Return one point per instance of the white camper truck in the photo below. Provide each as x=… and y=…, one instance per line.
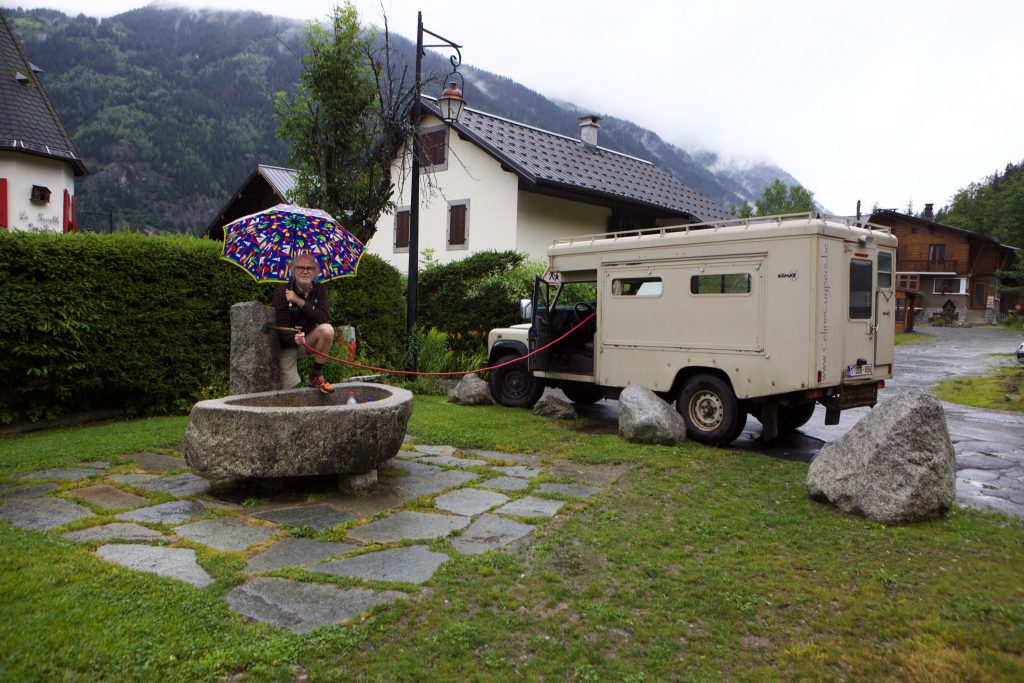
x=765, y=316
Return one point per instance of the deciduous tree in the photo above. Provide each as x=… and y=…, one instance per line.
x=781, y=198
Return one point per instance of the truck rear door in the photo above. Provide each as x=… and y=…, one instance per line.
x=859, y=340
x=885, y=311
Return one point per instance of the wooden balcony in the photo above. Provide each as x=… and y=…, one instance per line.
x=925, y=266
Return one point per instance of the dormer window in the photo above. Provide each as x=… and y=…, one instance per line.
x=41, y=194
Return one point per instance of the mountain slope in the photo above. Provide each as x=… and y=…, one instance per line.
x=172, y=109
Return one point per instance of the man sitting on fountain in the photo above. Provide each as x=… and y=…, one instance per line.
x=301, y=303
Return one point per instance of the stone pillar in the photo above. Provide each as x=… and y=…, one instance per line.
x=254, y=350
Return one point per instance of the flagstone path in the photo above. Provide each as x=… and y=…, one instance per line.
x=148, y=513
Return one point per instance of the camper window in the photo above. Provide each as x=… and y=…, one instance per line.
x=860, y=289
x=724, y=283
x=884, y=270
x=636, y=286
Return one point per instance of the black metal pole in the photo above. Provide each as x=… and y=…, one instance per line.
x=414, y=199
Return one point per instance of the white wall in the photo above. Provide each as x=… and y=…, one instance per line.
x=471, y=174
x=22, y=171
x=543, y=219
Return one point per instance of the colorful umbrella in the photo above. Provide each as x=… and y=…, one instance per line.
x=264, y=243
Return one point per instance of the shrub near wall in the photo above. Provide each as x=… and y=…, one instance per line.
x=127, y=321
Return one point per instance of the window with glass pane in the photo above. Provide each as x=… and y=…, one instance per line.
x=725, y=283
x=636, y=286
x=860, y=289
x=936, y=252
x=884, y=270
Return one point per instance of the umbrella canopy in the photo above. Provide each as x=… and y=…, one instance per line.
x=264, y=243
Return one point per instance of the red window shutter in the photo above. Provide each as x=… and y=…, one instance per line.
x=457, y=225
x=74, y=216
x=3, y=203
x=67, y=210
x=402, y=230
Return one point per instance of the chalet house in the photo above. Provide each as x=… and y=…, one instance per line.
x=952, y=270
x=38, y=160
x=491, y=183
x=265, y=187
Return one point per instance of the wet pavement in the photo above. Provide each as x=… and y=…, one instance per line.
x=989, y=444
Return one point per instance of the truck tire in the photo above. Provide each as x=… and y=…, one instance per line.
x=796, y=417
x=513, y=385
x=710, y=410
x=583, y=394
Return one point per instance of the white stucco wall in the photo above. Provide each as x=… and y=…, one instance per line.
x=471, y=174
x=22, y=171
x=543, y=219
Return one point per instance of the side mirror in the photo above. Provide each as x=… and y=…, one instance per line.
x=526, y=309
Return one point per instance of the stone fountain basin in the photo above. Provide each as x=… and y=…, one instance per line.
x=297, y=432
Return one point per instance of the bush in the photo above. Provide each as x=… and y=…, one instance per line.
x=468, y=298
x=141, y=323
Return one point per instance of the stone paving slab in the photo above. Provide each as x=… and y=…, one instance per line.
x=108, y=497
x=434, y=482
x=295, y=552
x=96, y=464
x=176, y=563
x=40, y=514
x=452, y=461
x=225, y=533
x=507, y=457
x=156, y=462
x=175, y=512
x=490, y=532
x=387, y=497
x=469, y=502
x=412, y=564
x=405, y=467
x=116, y=531
x=132, y=479
x=180, y=485
x=302, y=607
x=506, y=484
x=435, y=450
x=67, y=473
x=571, y=490
x=531, y=506
x=318, y=517
x=521, y=471
x=408, y=526
x=24, y=492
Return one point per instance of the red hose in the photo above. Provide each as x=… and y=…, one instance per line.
x=439, y=374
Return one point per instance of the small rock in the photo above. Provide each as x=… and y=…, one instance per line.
x=471, y=391
x=551, y=404
x=645, y=418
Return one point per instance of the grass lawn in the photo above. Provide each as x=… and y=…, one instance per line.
x=700, y=564
x=1002, y=390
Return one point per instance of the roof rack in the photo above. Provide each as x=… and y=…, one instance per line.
x=755, y=221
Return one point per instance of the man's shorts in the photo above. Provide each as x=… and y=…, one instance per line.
x=287, y=368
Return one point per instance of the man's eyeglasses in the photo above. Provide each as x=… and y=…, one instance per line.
x=305, y=269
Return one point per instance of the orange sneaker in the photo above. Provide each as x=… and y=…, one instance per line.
x=320, y=383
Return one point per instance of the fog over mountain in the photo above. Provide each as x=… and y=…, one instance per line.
x=172, y=108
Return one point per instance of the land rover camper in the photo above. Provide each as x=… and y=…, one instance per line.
x=766, y=316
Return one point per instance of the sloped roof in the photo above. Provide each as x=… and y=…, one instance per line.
x=28, y=121
x=281, y=179
x=253, y=195
x=543, y=158
x=881, y=215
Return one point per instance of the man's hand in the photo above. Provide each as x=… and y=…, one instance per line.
x=300, y=338
x=294, y=298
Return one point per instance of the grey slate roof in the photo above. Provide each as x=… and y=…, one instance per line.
x=28, y=121
x=542, y=158
x=281, y=179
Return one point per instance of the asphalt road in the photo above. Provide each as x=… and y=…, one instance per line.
x=989, y=444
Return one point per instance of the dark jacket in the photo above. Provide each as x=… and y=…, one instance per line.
x=314, y=312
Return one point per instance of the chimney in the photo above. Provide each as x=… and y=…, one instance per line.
x=588, y=128
x=928, y=215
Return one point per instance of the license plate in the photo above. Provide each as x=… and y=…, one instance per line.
x=858, y=370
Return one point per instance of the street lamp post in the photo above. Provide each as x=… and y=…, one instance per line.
x=451, y=103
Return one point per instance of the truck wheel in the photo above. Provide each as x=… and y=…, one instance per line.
x=513, y=385
x=710, y=410
x=584, y=395
x=796, y=417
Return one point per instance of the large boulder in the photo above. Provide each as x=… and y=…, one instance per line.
x=895, y=466
x=550, y=404
x=470, y=391
x=645, y=418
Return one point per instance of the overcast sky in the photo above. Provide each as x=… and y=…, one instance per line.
x=878, y=100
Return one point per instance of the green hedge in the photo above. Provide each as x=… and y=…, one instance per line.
x=468, y=298
x=142, y=323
